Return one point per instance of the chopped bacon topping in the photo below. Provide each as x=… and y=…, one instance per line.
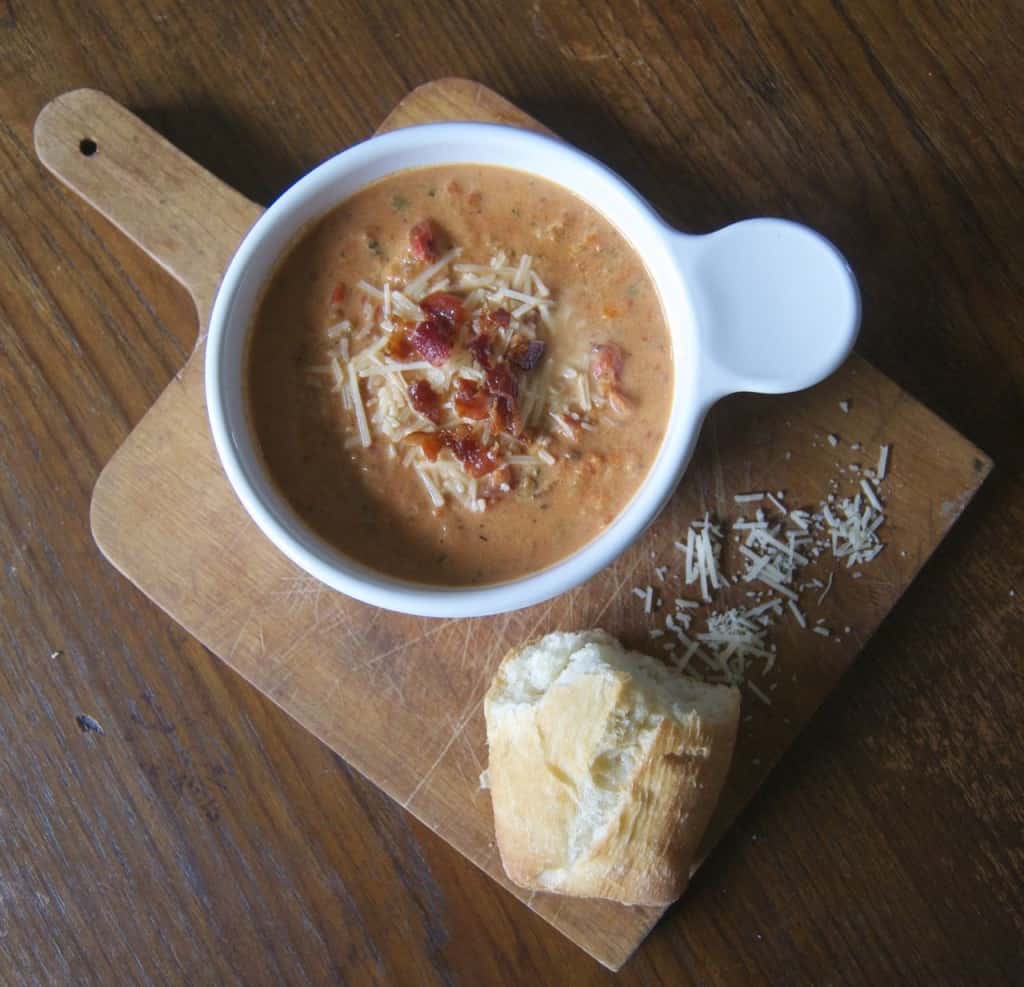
x=445, y=306
x=470, y=401
x=432, y=339
x=505, y=417
x=480, y=347
x=399, y=346
x=525, y=354
x=466, y=448
x=504, y=349
x=423, y=241
x=501, y=382
x=425, y=400
x=429, y=442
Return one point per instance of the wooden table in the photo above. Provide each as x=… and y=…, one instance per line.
x=160, y=822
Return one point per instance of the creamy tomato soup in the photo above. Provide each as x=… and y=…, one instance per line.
x=460, y=376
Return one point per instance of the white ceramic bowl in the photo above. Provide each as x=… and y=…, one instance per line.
x=764, y=305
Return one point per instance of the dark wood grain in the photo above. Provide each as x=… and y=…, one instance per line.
x=203, y=837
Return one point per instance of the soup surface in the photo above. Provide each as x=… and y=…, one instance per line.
x=460, y=376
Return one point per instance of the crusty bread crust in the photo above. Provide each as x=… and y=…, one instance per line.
x=595, y=799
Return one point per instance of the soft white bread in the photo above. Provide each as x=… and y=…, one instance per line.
x=605, y=767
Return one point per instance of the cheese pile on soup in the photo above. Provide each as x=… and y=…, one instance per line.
x=460, y=376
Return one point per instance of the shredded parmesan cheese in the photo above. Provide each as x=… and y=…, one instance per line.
x=357, y=404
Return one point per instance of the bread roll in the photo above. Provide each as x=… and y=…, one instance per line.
x=605, y=766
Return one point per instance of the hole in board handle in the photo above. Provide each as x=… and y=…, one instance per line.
x=87, y=146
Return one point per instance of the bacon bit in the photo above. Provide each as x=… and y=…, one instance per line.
x=433, y=340
x=425, y=400
x=465, y=447
x=505, y=417
x=500, y=382
x=338, y=295
x=423, y=241
x=470, y=401
x=399, y=346
x=501, y=317
x=606, y=364
x=480, y=347
x=445, y=306
x=525, y=354
x=429, y=442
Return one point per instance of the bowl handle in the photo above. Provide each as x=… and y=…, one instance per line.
x=776, y=305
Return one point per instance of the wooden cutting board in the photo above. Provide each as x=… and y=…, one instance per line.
x=400, y=697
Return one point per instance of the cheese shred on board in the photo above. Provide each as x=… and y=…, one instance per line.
x=730, y=644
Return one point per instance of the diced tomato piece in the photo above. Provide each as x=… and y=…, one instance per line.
x=430, y=442
x=446, y=306
x=501, y=317
x=432, y=339
x=525, y=354
x=619, y=403
x=480, y=347
x=425, y=400
x=470, y=401
x=423, y=241
x=338, y=295
x=606, y=364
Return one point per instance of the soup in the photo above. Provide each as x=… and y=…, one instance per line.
x=460, y=376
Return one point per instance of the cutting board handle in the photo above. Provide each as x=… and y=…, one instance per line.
x=187, y=220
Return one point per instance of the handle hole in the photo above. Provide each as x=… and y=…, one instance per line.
x=88, y=146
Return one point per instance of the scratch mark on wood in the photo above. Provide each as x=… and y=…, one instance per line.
x=614, y=595
x=468, y=715
x=229, y=654
x=405, y=645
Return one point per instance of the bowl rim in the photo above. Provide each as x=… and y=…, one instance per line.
x=234, y=442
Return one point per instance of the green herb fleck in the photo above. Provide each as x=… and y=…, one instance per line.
x=399, y=202
x=375, y=248
x=515, y=211
x=633, y=290
x=432, y=192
